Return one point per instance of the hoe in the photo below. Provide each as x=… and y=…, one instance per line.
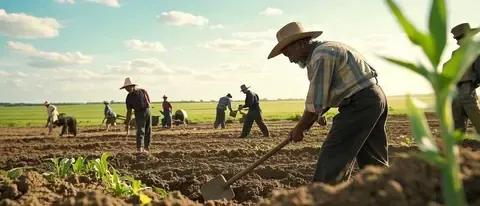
x=219, y=188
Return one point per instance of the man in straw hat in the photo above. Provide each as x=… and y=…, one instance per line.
x=464, y=104
x=223, y=103
x=138, y=100
x=167, y=113
x=252, y=102
x=339, y=77
x=52, y=113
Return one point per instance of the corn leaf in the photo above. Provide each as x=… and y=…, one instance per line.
x=14, y=173
x=438, y=29
x=144, y=199
x=411, y=66
x=421, y=132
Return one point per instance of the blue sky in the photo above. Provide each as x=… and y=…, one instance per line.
x=81, y=50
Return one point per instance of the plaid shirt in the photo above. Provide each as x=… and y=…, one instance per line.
x=335, y=72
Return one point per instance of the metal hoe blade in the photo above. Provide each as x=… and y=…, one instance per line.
x=217, y=189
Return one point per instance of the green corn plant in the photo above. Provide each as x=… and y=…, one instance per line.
x=117, y=185
x=443, y=83
x=63, y=167
x=136, y=190
x=160, y=191
x=100, y=166
x=12, y=174
x=79, y=166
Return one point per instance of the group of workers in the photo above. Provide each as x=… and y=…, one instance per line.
x=338, y=77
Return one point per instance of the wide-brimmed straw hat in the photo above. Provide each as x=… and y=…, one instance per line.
x=127, y=83
x=291, y=32
x=243, y=87
x=462, y=29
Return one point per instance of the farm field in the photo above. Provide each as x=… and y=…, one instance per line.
x=183, y=158
x=198, y=112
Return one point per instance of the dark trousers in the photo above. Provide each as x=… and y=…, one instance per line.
x=167, y=115
x=357, y=133
x=143, y=119
x=465, y=106
x=254, y=116
x=220, y=119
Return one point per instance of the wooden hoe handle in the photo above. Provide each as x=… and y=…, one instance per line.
x=258, y=162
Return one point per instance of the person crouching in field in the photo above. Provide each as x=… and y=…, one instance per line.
x=339, y=77
x=68, y=124
x=52, y=113
x=138, y=100
x=223, y=103
x=109, y=115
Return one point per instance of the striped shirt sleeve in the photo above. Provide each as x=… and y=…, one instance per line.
x=320, y=81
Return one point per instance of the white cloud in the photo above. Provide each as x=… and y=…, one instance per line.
x=271, y=12
x=21, y=25
x=4, y=73
x=231, y=44
x=65, y=1
x=141, y=66
x=178, y=18
x=111, y=3
x=138, y=45
x=217, y=26
x=44, y=59
x=268, y=34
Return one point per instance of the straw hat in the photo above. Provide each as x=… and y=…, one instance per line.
x=243, y=87
x=461, y=29
x=291, y=32
x=127, y=83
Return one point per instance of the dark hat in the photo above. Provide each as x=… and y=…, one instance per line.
x=462, y=29
x=229, y=95
x=243, y=87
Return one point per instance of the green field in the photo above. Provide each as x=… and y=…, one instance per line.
x=198, y=112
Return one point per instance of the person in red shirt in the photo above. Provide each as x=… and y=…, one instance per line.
x=167, y=113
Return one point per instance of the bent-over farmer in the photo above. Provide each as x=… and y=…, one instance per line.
x=339, y=77
x=139, y=101
x=223, y=103
x=52, y=113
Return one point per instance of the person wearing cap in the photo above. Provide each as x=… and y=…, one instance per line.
x=339, y=77
x=167, y=113
x=109, y=115
x=139, y=101
x=465, y=105
x=224, y=103
x=254, y=114
x=52, y=113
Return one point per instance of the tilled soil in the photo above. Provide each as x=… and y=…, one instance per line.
x=183, y=158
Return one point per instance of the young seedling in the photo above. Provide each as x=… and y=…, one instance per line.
x=443, y=83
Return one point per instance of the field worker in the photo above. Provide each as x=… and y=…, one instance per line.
x=224, y=103
x=465, y=105
x=52, y=113
x=180, y=117
x=252, y=102
x=109, y=115
x=167, y=112
x=339, y=77
x=138, y=100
